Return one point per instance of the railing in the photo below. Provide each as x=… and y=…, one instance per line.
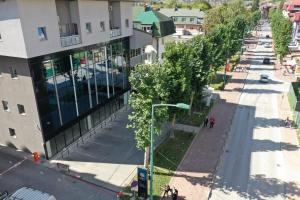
x=115, y=32
x=70, y=40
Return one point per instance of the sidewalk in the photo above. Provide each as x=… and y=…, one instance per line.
x=195, y=173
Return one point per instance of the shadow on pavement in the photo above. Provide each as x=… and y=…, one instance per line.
x=264, y=188
x=269, y=145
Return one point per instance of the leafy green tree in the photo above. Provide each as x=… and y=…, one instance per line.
x=282, y=33
x=148, y=87
x=255, y=5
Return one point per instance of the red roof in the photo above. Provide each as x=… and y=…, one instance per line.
x=289, y=5
x=296, y=16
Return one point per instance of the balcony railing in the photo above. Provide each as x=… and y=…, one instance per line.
x=115, y=32
x=70, y=40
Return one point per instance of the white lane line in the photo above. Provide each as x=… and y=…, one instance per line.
x=12, y=167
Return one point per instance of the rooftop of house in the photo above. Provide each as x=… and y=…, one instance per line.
x=290, y=5
x=162, y=25
x=295, y=16
x=182, y=12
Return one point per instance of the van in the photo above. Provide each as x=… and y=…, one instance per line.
x=26, y=193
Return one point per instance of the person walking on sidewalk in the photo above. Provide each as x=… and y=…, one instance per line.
x=206, y=122
x=212, y=122
x=167, y=189
x=174, y=193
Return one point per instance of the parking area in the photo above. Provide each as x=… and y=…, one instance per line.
x=17, y=170
x=108, y=158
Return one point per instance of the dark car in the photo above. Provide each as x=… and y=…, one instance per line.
x=267, y=36
x=266, y=61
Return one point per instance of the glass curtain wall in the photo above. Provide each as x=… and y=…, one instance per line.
x=68, y=87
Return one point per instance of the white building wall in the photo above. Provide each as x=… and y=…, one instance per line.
x=126, y=13
x=12, y=40
x=20, y=91
x=159, y=44
x=94, y=12
x=34, y=14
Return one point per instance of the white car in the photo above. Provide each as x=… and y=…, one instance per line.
x=264, y=78
x=260, y=43
x=267, y=45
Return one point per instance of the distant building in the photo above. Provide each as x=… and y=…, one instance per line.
x=291, y=7
x=188, y=22
x=155, y=23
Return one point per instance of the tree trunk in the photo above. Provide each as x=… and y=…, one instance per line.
x=173, y=126
x=191, y=103
x=146, y=157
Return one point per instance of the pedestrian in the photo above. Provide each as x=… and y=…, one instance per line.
x=167, y=189
x=206, y=122
x=212, y=122
x=174, y=193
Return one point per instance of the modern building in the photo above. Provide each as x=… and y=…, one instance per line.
x=158, y=25
x=63, y=69
x=188, y=22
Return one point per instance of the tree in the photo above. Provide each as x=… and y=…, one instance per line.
x=148, y=87
x=282, y=33
x=255, y=5
x=177, y=66
x=223, y=14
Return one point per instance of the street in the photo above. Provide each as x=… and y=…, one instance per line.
x=254, y=165
x=18, y=170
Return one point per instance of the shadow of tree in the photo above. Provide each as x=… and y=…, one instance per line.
x=269, y=145
x=261, y=187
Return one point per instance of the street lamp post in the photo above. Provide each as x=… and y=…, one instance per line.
x=178, y=105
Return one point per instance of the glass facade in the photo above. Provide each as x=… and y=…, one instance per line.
x=85, y=84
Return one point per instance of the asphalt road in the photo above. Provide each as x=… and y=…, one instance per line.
x=18, y=170
x=253, y=164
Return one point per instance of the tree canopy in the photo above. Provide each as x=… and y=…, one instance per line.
x=281, y=32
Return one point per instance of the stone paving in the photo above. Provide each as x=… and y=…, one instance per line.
x=194, y=175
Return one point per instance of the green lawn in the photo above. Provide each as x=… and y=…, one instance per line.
x=167, y=157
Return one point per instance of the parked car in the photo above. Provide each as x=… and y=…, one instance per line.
x=260, y=43
x=267, y=45
x=266, y=61
x=264, y=78
x=26, y=193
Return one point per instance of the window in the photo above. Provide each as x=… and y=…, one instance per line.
x=42, y=33
x=88, y=27
x=183, y=19
x=175, y=19
x=5, y=105
x=12, y=132
x=127, y=23
x=191, y=19
x=13, y=73
x=102, y=26
x=0, y=37
x=21, y=109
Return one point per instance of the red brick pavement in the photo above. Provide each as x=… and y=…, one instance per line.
x=194, y=175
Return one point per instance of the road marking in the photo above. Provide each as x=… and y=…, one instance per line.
x=12, y=167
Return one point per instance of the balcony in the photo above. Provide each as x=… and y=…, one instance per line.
x=67, y=41
x=69, y=35
x=115, y=32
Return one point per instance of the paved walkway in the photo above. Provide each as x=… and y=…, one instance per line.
x=195, y=173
